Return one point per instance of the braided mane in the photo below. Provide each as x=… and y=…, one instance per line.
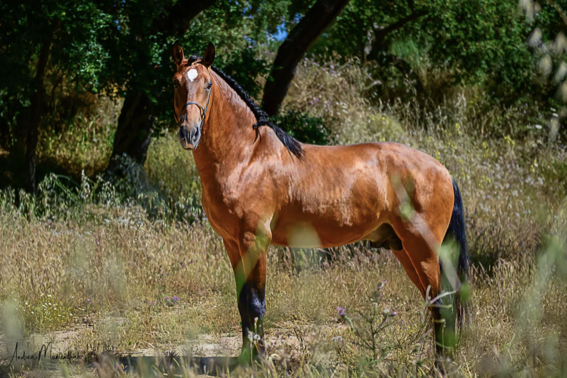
x=262, y=119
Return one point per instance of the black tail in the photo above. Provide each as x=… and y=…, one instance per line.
x=456, y=233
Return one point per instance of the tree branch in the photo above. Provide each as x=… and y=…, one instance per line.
x=380, y=34
x=298, y=41
x=176, y=19
x=403, y=66
x=559, y=10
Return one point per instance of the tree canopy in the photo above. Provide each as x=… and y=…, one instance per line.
x=52, y=50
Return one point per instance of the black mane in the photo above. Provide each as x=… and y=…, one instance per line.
x=262, y=119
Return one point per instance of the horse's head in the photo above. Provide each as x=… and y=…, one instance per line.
x=192, y=82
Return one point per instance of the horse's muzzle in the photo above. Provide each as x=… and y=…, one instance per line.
x=189, y=138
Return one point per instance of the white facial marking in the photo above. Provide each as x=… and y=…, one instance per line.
x=192, y=74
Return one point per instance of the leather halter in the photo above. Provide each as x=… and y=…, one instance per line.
x=202, y=110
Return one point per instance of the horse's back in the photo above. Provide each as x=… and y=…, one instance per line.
x=393, y=160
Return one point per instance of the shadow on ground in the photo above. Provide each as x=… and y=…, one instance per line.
x=145, y=366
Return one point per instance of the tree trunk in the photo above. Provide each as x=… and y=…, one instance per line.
x=379, y=51
x=299, y=40
x=33, y=118
x=135, y=126
x=404, y=67
x=136, y=121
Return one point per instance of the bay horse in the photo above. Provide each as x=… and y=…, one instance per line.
x=261, y=187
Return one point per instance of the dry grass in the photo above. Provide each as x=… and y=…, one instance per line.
x=107, y=277
x=84, y=143
x=106, y=262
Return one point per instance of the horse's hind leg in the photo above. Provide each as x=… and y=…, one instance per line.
x=385, y=237
x=404, y=259
x=421, y=246
x=425, y=262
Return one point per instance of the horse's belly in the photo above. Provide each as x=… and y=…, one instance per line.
x=326, y=229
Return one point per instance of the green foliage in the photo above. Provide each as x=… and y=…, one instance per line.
x=481, y=39
x=172, y=171
x=72, y=29
x=60, y=197
x=353, y=32
x=244, y=67
x=486, y=43
x=303, y=127
x=140, y=57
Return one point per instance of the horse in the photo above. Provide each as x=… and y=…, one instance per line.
x=261, y=186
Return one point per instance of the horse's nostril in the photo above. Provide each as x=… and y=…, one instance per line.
x=183, y=133
x=194, y=135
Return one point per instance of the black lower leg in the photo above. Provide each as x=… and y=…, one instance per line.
x=256, y=310
x=245, y=320
x=445, y=337
x=251, y=304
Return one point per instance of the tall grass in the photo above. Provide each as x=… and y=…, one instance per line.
x=105, y=260
x=83, y=143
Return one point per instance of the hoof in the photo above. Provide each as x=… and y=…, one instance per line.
x=445, y=366
x=250, y=357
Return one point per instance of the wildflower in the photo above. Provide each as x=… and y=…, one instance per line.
x=171, y=301
x=254, y=337
x=341, y=311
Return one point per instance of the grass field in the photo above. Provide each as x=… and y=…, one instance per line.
x=132, y=267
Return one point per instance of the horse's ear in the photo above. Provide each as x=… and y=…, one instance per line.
x=209, y=56
x=177, y=53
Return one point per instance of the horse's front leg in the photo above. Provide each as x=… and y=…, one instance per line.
x=253, y=249
x=240, y=277
x=250, y=274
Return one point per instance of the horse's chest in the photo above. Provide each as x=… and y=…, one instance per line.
x=224, y=212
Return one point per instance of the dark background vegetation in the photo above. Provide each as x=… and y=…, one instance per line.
x=59, y=57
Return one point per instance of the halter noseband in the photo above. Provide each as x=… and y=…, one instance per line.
x=201, y=109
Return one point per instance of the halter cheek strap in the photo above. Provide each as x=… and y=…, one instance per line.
x=201, y=109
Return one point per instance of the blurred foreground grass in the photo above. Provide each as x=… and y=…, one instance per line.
x=132, y=266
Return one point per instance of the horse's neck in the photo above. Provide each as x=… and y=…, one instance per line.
x=228, y=136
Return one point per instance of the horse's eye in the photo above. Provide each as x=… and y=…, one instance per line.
x=209, y=85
